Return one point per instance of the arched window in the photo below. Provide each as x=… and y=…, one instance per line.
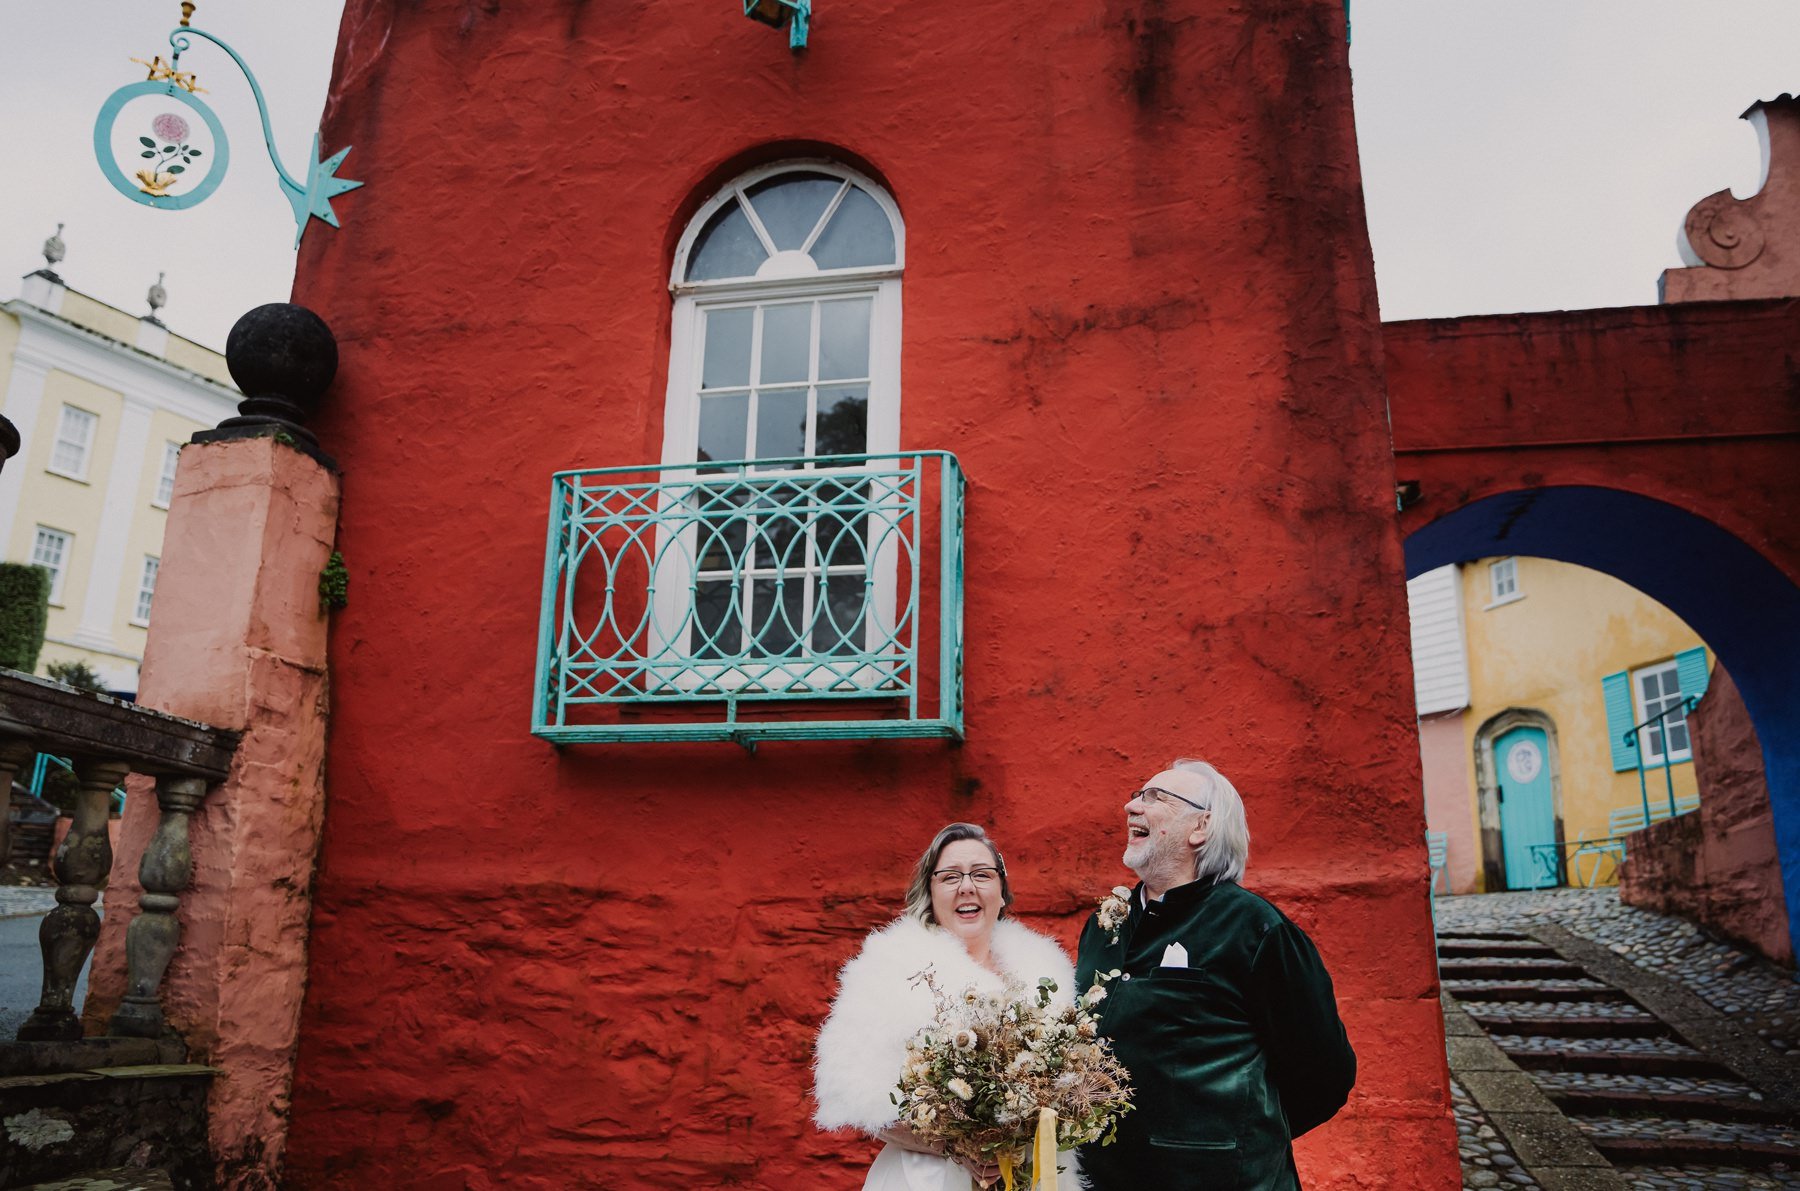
x=786, y=334
x=785, y=352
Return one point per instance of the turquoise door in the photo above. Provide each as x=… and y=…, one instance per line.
x=1527, y=805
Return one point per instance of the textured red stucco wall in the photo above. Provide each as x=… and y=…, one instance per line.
x=1138, y=303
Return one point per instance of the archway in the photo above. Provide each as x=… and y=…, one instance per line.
x=1740, y=603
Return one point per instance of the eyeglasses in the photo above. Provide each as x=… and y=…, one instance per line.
x=951, y=878
x=1154, y=794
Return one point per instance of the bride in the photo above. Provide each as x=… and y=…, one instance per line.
x=954, y=924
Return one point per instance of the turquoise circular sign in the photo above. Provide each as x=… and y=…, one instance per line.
x=166, y=154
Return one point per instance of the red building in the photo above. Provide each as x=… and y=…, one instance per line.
x=1112, y=257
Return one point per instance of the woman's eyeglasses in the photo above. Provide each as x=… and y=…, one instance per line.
x=950, y=878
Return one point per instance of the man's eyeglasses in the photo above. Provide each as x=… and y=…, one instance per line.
x=1154, y=794
x=951, y=878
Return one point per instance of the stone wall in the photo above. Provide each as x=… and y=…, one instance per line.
x=1717, y=866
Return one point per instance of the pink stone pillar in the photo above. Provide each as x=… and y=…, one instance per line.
x=237, y=640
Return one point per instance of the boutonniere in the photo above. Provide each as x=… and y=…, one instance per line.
x=1115, y=907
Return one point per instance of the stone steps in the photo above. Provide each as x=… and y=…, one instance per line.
x=1687, y=1105
x=1637, y=1092
x=1679, y=1149
x=1616, y=1062
x=1556, y=1026
x=1507, y=968
x=1532, y=990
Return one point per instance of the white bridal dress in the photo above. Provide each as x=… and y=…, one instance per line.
x=896, y=1169
x=879, y=1006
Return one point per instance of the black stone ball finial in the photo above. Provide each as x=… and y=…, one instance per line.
x=9, y=440
x=283, y=357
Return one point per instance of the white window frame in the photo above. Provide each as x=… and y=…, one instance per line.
x=783, y=275
x=59, y=569
x=70, y=417
x=165, y=481
x=1647, y=754
x=1503, y=582
x=146, y=593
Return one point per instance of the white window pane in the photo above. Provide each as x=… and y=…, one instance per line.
x=50, y=550
x=843, y=422
x=786, y=343
x=77, y=426
x=726, y=359
x=844, y=339
x=858, y=235
x=777, y=618
x=726, y=247
x=147, y=588
x=781, y=424
x=789, y=205
x=724, y=426
x=165, y=483
x=717, y=630
x=838, y=626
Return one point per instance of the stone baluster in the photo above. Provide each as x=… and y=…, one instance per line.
x=150, y=941
x=82, y=864
x=15, y=753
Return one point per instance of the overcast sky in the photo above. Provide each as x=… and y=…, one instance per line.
x=1517, y=154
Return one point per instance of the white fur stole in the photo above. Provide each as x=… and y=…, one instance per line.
x=863, y=1042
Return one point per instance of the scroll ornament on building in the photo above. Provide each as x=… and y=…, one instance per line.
x=161, y=145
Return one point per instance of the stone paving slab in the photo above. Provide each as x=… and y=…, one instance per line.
x=25, y=901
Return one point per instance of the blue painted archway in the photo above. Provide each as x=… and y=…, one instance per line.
x=1739, y=603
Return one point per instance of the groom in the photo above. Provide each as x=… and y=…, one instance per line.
x=1220, y=1007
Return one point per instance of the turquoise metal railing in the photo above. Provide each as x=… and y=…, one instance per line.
x=1633, y=736
x=754, y=600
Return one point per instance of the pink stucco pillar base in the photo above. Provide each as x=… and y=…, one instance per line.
x=237, y=640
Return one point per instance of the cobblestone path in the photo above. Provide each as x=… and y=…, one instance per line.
x=1684, y=1103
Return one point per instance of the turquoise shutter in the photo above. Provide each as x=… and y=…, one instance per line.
x=1690, y=667
x=1620, y=717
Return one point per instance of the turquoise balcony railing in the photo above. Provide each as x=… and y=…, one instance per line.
x=802, y=598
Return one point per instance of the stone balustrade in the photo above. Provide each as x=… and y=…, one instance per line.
x=106, y=739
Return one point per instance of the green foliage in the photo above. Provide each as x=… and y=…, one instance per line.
x=61, y=790
x=24, y=610
x=78, y=674
x=334, y=584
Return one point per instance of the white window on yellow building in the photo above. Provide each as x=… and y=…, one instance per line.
x=74, y=443
x=146, y=590
x=1503, y=581
x=165, y=483
x=1658, y=690
x=51, y=551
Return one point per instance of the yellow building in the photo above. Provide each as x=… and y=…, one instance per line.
x=1530, y=676
x=102, y=400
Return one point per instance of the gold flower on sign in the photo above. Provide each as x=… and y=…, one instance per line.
x=159, y=70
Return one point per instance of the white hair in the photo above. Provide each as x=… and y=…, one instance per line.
x=1227, y=848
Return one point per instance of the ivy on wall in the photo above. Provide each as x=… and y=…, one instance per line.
x=24, y=611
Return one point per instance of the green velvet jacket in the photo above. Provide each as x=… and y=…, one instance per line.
x=1231, y=1057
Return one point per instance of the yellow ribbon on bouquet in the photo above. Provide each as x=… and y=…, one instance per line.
x=1043, y=1163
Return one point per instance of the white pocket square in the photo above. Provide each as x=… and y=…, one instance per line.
x=1174, y=956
